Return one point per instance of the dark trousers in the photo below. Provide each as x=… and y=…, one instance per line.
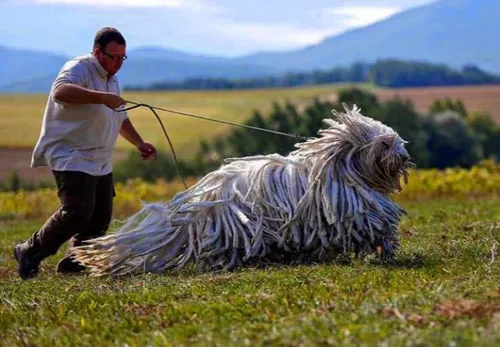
x=85, y=212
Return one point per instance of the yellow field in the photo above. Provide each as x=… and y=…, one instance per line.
x=480, y=181
x=21, y=115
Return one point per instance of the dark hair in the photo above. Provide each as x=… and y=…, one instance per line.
x=107, y=35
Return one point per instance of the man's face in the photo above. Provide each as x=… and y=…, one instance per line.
x=111, y=57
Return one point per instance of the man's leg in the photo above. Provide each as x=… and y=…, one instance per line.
x=76, y=191
x=97, y=226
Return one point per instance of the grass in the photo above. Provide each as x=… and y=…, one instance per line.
x=21, y=115
x=443, y=289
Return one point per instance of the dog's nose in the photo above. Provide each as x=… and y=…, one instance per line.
x=405, y=157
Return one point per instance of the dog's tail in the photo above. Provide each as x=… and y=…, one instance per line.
x=150, y=240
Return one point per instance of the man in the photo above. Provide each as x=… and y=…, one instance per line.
x=79, y=132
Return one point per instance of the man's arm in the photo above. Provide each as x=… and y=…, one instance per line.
x=74, y=94
x=128, y=132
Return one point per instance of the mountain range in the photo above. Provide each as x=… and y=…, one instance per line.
x=451, y=32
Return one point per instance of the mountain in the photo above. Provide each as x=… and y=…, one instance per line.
x=28, y=71
x=18, y=65
x=32, y=85
x=151, y=52
x=152, y=64
x=452, y=32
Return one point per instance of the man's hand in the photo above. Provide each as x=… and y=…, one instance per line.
x=148, y=151
x=127, y=130
x=113, y=101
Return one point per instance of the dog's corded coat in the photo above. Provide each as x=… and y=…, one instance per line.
x=329, y=196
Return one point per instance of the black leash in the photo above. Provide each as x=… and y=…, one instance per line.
x=154, y=108
x=164, y=132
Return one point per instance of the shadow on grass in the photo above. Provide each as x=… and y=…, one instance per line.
x=415, y=260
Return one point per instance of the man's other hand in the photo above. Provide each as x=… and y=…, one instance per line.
x=148, y=151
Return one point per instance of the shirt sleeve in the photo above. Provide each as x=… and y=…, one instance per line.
x=73, y=72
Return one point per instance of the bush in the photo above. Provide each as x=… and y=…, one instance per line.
x=451, y=142
x=15, y=183
x=163, y=167
x=488, y=133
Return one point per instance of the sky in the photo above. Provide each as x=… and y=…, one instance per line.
x=211, y=27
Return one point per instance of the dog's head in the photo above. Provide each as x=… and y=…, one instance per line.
x=379, y=156
x=364, y=149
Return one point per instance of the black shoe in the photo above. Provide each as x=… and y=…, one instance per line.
x=69, y=265
x=29, y=264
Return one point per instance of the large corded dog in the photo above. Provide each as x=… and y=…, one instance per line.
x=329, y=196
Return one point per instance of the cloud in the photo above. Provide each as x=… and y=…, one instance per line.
x=363, y=15
x=274, y=36
x=330, y=21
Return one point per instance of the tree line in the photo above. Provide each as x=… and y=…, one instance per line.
x=386, y=73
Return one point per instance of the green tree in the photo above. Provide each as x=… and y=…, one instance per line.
x=451, y=142
x=488, y=133
x=441, y=105
x=366, y=101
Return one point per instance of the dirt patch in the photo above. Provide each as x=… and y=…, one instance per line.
x=144, y=310
x=412, y=318
x=7, y=272
x=220, y=279
x=448, y=311
x=19, y=159
x=165, y=316
x=467, y=308
x=476, y=98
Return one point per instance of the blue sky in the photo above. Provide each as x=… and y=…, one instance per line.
x=214, y=27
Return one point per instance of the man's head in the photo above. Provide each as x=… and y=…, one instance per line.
x=109, y=49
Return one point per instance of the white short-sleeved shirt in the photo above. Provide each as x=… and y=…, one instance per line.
x=79, y=137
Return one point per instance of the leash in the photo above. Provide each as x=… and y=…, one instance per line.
x=155, y=108
x=297, y=137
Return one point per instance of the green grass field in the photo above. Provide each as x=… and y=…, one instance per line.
x=21, y=115
x=442, y=290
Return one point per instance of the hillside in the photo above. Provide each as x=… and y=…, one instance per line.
x=475, y=98
x=29, y=71
x=453, y=32
x=143, y=70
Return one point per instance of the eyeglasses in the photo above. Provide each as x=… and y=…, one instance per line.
x=114, y=56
